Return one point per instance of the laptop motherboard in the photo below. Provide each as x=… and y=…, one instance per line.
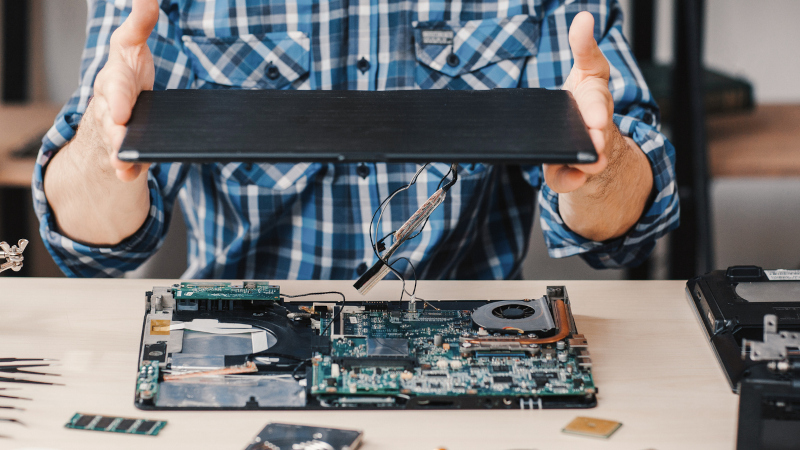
x=245, y=346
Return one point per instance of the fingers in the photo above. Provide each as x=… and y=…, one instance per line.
x=595, y=103
x=562, y=178
x=588, y=82
x=140, y=23
x=596, y=106
x=128, y=71
x=588, y=57
x=133, y=173
x=112, y=107
x=118, y=85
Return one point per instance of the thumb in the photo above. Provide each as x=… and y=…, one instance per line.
x=140, y=23
x=588, y=57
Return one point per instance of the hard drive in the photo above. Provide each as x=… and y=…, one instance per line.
x=283, y=436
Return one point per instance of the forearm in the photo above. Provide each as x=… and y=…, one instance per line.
x=610, y=203
x=90, y=203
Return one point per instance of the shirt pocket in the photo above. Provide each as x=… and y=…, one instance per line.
x=475, y=54
x=440, y=170
x=284, y=178
x=269, y=61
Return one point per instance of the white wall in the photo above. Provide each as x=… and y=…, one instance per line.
x=754, y=40
x=758, y=40
x=755, y=222
x=64, y=24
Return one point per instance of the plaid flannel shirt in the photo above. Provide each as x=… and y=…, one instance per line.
x=286, y=221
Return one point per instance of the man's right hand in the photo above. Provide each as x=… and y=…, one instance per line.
x=95, y=197
x=128, y=72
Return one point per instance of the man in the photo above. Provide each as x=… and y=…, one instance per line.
x=102, y=217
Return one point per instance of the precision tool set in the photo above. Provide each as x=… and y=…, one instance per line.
x=12, y=365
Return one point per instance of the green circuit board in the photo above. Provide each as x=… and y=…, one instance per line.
x=399, y=353
x=249, y=290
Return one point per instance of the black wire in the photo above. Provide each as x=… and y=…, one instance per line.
x=414, y=271
x=302, y=363
x=384, y=238
x=420, y=229
x=381, y=208
x=335, y=317
x=454, y=170
x=315, y=293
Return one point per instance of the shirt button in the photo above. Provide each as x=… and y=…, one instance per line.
x=273, y=73
x=362, y=65
x=361, y=268
x=452, y=60
x=362, y=170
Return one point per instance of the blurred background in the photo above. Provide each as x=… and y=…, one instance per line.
x=723, y=71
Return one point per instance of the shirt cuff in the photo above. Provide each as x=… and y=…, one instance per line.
x=632, y=248
x=78, y=259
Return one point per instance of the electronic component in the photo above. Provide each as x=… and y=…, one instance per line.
x=282, y=436
x=147, y=384
x=381, y=346
x=112, y=424
x=358, y=354
x=248, y=290
x=516, y=317
x=588, y=426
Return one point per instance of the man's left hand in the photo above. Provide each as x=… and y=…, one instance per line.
x=602, y=200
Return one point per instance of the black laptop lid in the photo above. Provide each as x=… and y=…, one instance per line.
x=514, y=126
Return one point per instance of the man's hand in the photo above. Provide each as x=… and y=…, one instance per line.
x=128, y=72
x=97, y=198
x=602, y=200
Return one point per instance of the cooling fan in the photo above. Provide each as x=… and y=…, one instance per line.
x=528, y=316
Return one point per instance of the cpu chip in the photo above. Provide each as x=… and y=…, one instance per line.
x=588, y=426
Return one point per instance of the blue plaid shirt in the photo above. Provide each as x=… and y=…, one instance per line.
x=287, y=221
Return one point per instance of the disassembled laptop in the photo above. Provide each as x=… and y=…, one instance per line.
x=244, y=346
x=751, y=317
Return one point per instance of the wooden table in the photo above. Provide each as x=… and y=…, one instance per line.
x=655, y=372
x=762, y=143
